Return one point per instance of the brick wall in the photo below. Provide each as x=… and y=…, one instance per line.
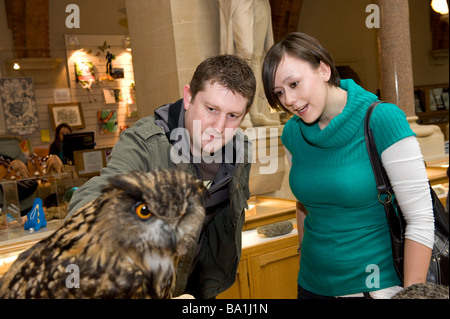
x=28, y=21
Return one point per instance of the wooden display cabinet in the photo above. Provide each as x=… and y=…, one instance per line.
x=269, y=266
x=267, y=270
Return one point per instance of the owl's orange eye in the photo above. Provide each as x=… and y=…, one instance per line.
x=142, y=211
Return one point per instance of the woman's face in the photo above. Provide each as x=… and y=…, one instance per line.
x=302, y=89
x=63, y=131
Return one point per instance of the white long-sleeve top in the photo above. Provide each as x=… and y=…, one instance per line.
x=405, y=167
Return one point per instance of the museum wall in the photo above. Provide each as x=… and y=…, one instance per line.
x=181, y=33
x=340, y=26
x=99, y=17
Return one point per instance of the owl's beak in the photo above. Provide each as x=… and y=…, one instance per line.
x=173, y=241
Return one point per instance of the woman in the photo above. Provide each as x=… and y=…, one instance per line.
x=56, y=147
x=345, y=243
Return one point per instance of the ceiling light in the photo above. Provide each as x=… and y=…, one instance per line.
x=440, y=6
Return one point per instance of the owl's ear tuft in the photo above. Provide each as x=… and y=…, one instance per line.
x=126, y=183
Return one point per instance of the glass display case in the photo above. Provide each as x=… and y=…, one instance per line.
x=30, y=209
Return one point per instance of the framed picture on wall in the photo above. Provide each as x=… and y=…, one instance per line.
x=70, y=113
x=19, y=105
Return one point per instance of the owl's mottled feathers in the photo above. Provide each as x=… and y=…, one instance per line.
x=423, y=291
x=126, y=243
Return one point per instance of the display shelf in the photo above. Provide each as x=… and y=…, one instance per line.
x=43, y=64
x=251, y=238
x=432, y=104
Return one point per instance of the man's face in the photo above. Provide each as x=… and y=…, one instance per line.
x=213, y=116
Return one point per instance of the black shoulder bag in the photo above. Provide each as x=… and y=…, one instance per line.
x=438, y=271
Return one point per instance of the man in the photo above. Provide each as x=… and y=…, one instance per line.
x=197, y=134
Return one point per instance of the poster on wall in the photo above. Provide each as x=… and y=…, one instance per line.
x=112, y=96
x=61, y=96
x=107, y=120
x=19, y=105
x=84, y=72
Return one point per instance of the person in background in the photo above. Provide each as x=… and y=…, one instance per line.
x=344, y=238
x=56, y=147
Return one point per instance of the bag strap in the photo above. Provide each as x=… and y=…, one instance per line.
x=383, y=184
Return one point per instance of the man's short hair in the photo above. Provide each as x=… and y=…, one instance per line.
x=230, y=71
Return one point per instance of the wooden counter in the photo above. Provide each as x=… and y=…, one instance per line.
x=437, y=175
x=267, y=210
x=437, y=171
x=268, y=268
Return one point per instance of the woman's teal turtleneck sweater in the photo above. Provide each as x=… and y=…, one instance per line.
x=346, y=245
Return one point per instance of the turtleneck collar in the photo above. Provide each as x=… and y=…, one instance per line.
x=342, y=127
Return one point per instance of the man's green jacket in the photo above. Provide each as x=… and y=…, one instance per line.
x=145, y=147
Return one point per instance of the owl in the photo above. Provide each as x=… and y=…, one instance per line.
x=124, y=244
x=423, y=291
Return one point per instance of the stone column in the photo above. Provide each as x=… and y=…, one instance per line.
x=394, y=47
x=151, y=32
x=169, y=38
x=396, y=76
x=28, y=20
